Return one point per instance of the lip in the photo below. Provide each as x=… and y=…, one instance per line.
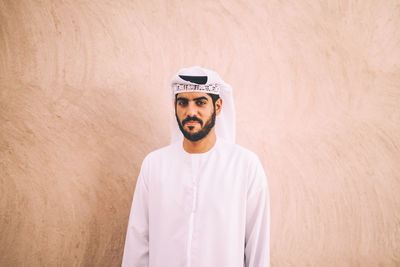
x=191, y=122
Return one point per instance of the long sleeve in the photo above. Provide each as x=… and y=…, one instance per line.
x=257, y=240
x=136, y=251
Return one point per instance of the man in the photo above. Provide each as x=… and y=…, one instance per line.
x=203, y=200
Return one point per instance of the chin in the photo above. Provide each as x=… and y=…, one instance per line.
x=192, y=131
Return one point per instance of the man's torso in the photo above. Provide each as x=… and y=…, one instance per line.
x=197, y=205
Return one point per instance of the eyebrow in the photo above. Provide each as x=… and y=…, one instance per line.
x=181, y=98
x=200, y=98
x=194, y=99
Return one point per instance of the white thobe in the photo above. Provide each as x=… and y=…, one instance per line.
x=199, y=210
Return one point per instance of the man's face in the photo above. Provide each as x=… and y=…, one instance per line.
x=195, y=114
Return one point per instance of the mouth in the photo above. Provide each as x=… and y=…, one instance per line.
x=191, y=122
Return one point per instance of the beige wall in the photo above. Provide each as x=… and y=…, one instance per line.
x=84, y=97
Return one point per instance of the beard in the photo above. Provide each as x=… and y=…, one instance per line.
x=203, y=132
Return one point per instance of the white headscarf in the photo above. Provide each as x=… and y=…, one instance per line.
x=208, y=82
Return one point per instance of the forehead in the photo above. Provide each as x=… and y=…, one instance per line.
x=192, y=95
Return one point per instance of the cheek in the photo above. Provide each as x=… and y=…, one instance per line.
x=207, y=112
x=179, y=114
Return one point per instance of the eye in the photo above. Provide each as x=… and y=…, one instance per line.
x=182, y=103
x=200, y=102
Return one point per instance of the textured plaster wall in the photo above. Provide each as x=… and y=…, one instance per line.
x=84, y=97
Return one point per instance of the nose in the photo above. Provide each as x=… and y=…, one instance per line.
x=192, y=110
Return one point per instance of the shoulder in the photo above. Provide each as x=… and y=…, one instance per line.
x=256, y=177
x=161, y=153
x=236, y=150
x=250, y=162
x=244, y=157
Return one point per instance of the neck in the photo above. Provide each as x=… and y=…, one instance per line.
x=202, y=145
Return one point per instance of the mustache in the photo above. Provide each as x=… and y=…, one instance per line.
x=188, y=118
